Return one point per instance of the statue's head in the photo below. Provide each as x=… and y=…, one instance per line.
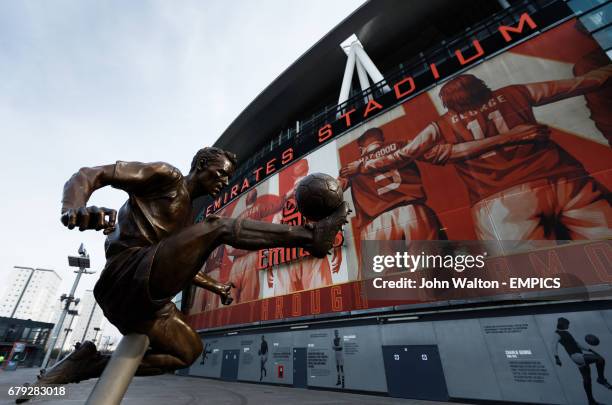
x=212, y=168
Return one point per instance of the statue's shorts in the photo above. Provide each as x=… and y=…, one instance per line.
x=123, y=289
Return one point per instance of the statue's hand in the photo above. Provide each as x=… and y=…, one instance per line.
x=226, y=293
x=97, y=218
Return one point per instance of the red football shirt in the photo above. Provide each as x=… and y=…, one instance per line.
x=375, y=193
x=509, y=165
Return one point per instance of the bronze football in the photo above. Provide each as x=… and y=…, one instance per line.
x=318, y=195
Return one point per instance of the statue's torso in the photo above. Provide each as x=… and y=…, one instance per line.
x=154, y=211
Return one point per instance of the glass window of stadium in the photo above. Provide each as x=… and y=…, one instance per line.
x=597, y=18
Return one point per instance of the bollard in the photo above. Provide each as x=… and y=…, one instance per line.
x=119, y=371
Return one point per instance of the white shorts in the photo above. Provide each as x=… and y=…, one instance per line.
x=303, y=274
x=406, y=222
x=545, y=210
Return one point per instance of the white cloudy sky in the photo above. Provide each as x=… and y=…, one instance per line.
x=90, y=82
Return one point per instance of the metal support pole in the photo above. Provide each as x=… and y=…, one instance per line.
x=370, y=67
x=363, y=79
x=58, y=328
x=82, y=262
x=347, y=79
x=116, y=378
x=54, y=335
x=68, y=330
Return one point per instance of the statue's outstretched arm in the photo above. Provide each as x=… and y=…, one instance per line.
x=132, y=177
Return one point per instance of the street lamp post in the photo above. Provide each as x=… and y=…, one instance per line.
x=74, y=313
x=82, y=262
x=25, y=287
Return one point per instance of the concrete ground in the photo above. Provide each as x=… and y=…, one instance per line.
x=177, y=390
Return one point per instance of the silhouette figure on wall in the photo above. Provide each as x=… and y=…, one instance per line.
x=338, y=347
x=205, y=353
x=263, y=358
x=576, y=353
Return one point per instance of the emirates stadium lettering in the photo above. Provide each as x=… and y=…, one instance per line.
x=408, y=86
x=401, y=90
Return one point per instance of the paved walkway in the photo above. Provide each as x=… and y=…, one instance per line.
x=176, y=390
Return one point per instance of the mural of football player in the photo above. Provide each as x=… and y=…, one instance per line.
x=389, y=203
x=308, y=272
x=338, y=347
x=599, y=102
x=582, y=356
x=244, y=274
x=205, y=353
x=521, y=184
x=263, y=358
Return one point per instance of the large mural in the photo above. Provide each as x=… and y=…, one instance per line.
x=513, y=149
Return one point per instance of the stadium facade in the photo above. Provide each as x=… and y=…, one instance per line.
x=446, y=159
